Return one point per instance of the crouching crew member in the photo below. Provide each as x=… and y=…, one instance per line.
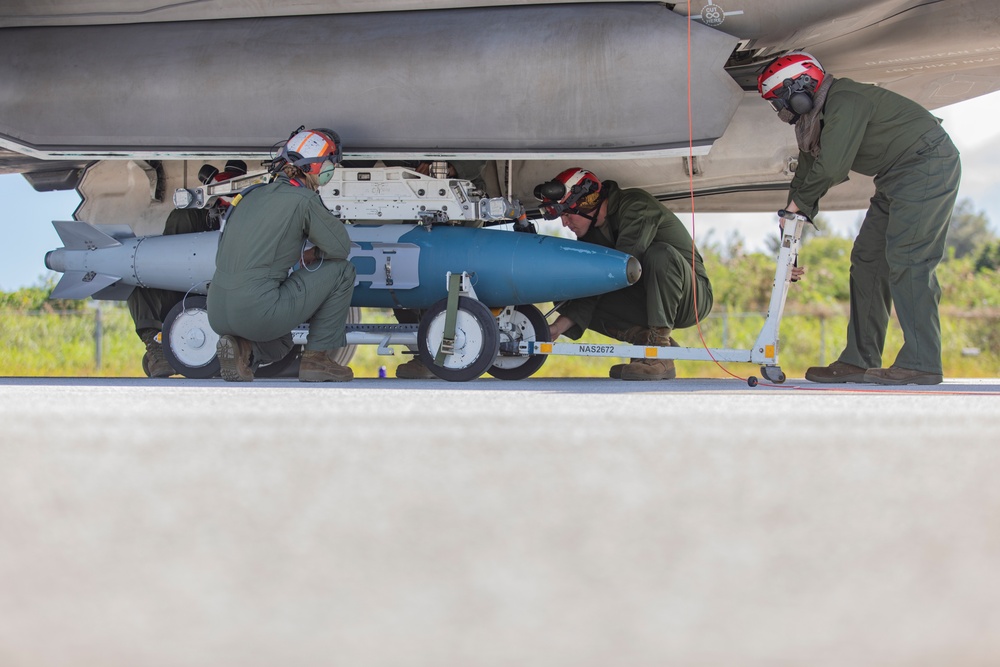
x=253, y=301
x=667, y=295
x=149, y=307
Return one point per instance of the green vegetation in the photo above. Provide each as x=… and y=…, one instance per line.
x=62, y=343
x=45, y=338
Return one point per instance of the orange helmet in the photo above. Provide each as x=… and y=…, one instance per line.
x=790, y=81
x=308, y=150
x=563, y=193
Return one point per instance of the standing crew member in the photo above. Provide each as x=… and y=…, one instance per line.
x=253, y=301
x=663, y=299
x=842, y=125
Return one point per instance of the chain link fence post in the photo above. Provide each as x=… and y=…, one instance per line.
x=98, y=337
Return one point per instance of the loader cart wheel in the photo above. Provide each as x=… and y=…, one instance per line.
x=188, y=340
x=528, y=325
x=476, y=340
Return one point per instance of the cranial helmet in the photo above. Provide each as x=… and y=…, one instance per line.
x=790, y=81
x=567, y=192
x=308, y=150
x=209, y=174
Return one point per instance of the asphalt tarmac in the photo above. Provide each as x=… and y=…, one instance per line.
x=540, y=522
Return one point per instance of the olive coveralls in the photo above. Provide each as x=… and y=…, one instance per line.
x=252, y=294
x=148, y=306
x=917, y=170
x=665, y=295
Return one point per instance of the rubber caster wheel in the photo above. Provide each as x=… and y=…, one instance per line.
x=772, y=374
x=528, y=325
x=752, y=381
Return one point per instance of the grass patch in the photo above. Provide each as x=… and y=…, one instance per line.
x=49, y=344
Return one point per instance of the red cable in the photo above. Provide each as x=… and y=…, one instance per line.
x=694, y=275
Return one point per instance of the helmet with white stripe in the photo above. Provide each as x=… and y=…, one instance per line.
x=567, y=192
x=790, y=82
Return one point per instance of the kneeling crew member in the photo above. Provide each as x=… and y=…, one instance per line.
x=148, y=306
x=665, y=297
x=253, y=301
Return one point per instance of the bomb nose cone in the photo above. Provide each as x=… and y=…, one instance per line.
x=633, y=270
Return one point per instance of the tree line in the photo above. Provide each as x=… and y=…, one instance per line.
x=742, y=280
x=968, y=274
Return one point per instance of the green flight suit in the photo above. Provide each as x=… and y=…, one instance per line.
x=252, y=294
x=148, y=306
x=917, y=171
x=665, y=295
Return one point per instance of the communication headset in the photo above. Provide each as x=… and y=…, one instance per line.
x=796, y=95
x=556, y=201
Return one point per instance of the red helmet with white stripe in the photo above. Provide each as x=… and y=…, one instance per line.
x=563, y=193
x=790, y=81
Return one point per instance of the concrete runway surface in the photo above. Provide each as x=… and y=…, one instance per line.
x=542, y=522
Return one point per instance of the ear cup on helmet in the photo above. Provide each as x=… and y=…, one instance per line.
x=237, y=167
x=206, y=174
x=790, y=81
x=801, y=103
x=550, y=191
x=563, y=193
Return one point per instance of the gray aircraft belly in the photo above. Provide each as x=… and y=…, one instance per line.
x=538, y=80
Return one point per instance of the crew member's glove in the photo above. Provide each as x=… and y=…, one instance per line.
x=522, y=224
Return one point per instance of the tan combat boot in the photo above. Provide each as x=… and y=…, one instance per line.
x=634, y=335
x=317, y=366
x=234, y=358
x=660, y=337
x=154, y=363
x=414, y=369
x=649, y=369
x=653, y=337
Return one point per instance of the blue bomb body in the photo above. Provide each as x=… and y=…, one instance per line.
x=398, y=265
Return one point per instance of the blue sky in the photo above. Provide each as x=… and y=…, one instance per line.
x=26, y=216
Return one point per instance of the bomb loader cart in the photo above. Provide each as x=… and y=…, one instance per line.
x=412, y=251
